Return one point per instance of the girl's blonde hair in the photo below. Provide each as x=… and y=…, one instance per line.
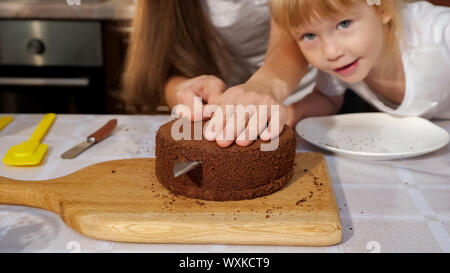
x=297, y=13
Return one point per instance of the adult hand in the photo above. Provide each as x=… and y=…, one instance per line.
x=245, y=112
x=196, y=92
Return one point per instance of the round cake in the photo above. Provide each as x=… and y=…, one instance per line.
x=232, y=173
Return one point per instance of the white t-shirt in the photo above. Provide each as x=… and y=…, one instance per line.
x=425, y=48
x=245, y=26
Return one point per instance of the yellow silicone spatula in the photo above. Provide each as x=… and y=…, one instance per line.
x=5, y=121
x=31, y=152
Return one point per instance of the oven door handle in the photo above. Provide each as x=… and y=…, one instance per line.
x=69, y=82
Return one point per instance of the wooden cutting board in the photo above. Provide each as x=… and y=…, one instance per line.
x=123, y=201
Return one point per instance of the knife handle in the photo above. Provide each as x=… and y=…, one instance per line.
x=103, y=132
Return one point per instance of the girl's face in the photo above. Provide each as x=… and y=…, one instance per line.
x=347, y=46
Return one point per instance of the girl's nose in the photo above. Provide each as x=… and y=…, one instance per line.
x=331, y=50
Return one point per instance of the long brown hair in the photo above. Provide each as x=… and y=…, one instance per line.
x=170, y=38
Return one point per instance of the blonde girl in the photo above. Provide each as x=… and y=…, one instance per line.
x=394, y=55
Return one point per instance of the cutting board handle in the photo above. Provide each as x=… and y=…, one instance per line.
x=38, y=194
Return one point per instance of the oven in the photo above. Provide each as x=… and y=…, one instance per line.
x=51, y=66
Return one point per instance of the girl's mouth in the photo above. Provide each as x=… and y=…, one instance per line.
x=348, y=69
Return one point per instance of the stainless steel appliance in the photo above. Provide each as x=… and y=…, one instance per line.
x=51, y=66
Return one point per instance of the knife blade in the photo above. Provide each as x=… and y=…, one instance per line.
x=92, y=139
x=181, y=168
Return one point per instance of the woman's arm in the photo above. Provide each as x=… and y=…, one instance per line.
x=283, y=68
x=281, y=73
x=284, y=65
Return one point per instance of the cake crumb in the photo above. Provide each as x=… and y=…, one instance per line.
x=300, y=201
x=267, y=216
x=113, y=171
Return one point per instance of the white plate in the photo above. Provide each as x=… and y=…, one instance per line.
x=375, y=136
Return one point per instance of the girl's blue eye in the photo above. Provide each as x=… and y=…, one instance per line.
x=344, y=24
x=309, y=36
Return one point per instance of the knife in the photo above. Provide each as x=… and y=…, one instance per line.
x=181, y=168
x=94, y=138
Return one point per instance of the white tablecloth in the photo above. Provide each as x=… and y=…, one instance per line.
x=388, y=206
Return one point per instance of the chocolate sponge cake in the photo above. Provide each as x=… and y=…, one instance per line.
x=232, y=173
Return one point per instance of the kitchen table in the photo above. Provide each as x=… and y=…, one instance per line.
x=384, y=206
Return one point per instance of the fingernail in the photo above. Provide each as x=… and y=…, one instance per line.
x=265, y=135
x=241, y=137
x=220, y=136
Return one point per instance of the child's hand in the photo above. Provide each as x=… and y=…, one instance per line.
x=205, y=87
x=257, y=120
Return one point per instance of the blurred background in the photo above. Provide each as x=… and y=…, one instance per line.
x=67, y=56
x=63, y=56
